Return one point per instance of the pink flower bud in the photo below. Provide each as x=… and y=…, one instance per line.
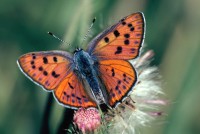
x=87, y=119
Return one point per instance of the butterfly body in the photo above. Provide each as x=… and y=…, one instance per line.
x=101, y=74
x=87, y=68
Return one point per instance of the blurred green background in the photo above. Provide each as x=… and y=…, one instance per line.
x=173, y=33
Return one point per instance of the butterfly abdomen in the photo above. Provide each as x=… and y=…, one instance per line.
x=84, y=65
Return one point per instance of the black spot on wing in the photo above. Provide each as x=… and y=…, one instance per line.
x=33, y=56
x=106, y=39
x=130, y=25
x=113, y=72
x=73, y=95
x=123, y=23
x=45, y=60
x=132, y=29
x=78, y=98
x=55, y=75
x=133, y=50
x=124, y=87
x=136, y=42
x=119, y=50
x=116, y=33
x=33, y=67
x=55, y=59
x=119, y=81
x=127, y=35
x=65, y=93
x=117, y=87
x=126, y=42
x=32, y=62
x=40, y=68
x=45, y=73
x=70, y=85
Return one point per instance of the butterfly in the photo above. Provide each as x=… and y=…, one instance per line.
x=101, y=74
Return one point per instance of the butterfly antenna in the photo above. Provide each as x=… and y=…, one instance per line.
x=88, y=31
x=50, y=33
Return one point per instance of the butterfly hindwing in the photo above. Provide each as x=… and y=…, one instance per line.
x=46, y=68
x=118, y=77
x=71, y=93
x=121, y=41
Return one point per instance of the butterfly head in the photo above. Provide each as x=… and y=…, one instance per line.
x=77, y=50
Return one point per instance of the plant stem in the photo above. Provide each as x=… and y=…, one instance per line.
x=67, y=120
x=45, y=121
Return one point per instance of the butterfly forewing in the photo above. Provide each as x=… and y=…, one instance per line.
x=119, y=77
x=46, y=68
x=121, y=41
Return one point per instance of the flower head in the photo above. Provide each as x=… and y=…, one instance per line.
x=87, y=119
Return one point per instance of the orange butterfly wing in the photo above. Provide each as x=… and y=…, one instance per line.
x=119, y=77
x=45, y=68
x=121, y=41
x=71, y=92
x=112, y=48
x=54, y=72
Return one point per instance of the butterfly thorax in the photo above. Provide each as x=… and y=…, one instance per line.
x=85, y=67
x=83, y=63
